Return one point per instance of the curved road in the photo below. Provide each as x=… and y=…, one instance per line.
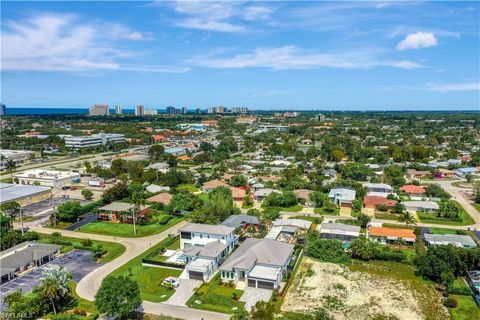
x=88, y=286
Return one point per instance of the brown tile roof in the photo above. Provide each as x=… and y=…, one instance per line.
x=410, y=188
x=238, y=193
x=212, y=184
x=375, y=200
x=164, y=198
x=392, y=232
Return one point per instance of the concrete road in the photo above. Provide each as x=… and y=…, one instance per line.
x=88, y=286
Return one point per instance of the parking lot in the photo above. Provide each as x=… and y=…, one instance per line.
x=38, y=207
x=77, y=262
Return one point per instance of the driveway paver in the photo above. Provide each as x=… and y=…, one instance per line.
x=184, y=291
x=252, y=295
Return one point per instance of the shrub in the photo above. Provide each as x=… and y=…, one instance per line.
x=450, y=302
x=87, y=243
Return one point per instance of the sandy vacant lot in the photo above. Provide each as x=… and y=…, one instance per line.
x=356, y=295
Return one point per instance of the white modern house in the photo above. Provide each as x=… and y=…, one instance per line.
x=257, y=263
x=204, y=247
x=342, y=196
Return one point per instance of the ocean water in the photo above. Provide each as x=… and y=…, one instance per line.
x=45, y=111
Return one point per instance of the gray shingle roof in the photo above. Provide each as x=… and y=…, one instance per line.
x=23, y=254
x=258, y=251
x=238, y=220
x=210, y=250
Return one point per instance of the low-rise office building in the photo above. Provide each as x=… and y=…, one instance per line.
x=93, y=140
x=19, y=157
x=48, y=178
x=24, y=256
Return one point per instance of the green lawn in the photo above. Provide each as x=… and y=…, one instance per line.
x=432, y=218
x=149, y=279
x=204, y=197
x=126, y=229
x=386, y=216
x=323, y=211
x=114, y=250
x=217, y=297
x=187, y=187
x=442, y=230
x=295, y=208
x=314, y=219
x=466, y=309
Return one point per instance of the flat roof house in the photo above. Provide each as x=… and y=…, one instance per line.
x=390, y=235
x=204, y=247
x=258, y=263
x=342, y=196
x=457, y=240
x=286, y=230
x=338, y=231
x=378, y=187
x=25, y=256
x=422, y=206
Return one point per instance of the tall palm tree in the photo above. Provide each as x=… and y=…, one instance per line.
x=10, y=165
x=137, y=199
x=49, y=289
x=407, y=218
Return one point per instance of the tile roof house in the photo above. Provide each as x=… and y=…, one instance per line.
x=303, y=196
x=238, y=193
x=259, y=263
x=121, y=212
x=412, y=189
x=163, y=198
x=375, y=201
x=390, y=235
x=212, y=184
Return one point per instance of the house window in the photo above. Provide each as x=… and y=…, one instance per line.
x=186, y=235
x=201, y=236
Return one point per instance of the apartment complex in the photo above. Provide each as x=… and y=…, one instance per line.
x=93, y=140
x=118, y=109
x=99, y=110
x=139, y=110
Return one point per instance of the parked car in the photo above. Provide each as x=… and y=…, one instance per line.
x=171, y=281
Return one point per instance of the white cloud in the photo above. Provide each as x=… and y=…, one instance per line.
x=218, y=16
x=417, y=40
x=467, y=86
x=62, y=42
x=292, y=57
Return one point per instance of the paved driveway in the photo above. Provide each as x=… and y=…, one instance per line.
x=251, y=295
x=184, y=291
x=77, y=262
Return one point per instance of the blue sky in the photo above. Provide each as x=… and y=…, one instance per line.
x=265, y=55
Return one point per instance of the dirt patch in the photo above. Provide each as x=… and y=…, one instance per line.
x=355, y=295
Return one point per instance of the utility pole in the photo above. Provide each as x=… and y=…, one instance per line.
x=21, y=221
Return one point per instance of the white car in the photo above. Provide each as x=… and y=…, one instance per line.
x=172, y=281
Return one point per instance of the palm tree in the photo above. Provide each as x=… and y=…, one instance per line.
x=10, y=209
x=137, y=199
x=407, y=218
x=49, y=289
x=10, y=165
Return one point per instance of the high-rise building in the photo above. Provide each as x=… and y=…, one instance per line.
x=139, y=110
x=184, y=110
x=239, y=110
x=99, y=110
x=118, y=109
x=219, y=109
x=321, y=117
x=171, y=110
x=3, y=109
x=150, y=112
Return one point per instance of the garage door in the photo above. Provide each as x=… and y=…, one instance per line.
x=265, y=285
x=252, y=283
x=195, y=275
